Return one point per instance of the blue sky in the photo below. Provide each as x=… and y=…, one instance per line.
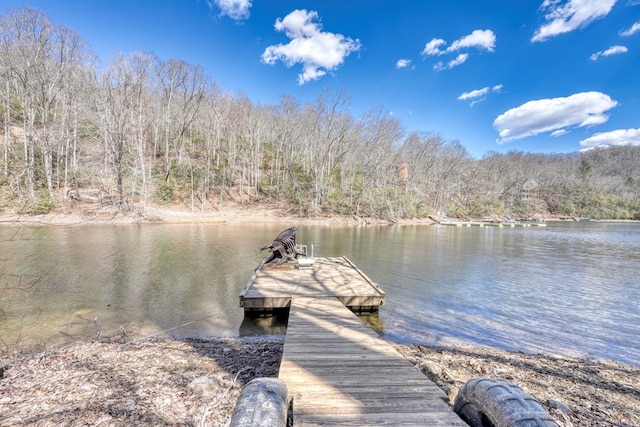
x=542, y=76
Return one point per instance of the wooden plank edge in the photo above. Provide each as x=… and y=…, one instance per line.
x=373, y=284
x=247, y=286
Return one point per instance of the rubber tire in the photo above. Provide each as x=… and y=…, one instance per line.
x=487, y=402
x=263, y=402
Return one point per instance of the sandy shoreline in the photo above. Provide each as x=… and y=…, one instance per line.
x=231, y=214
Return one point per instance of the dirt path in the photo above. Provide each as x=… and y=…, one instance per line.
x=193, y=383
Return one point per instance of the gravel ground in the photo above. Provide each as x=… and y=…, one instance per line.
x=197, y=382
x=576, y=392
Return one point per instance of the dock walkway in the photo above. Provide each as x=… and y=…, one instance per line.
x=339, y=372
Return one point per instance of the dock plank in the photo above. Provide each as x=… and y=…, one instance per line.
x=339, y=372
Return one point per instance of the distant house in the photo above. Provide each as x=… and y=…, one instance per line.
x=530, y=190
x=404, y=172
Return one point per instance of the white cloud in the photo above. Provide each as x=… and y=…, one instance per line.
x=433, y=47
x=481, y=39
x=616, y=137
x=553, y=115
x=234, y=9
x=460, y=59
x=631, y=30
x=403, y=63
x=613, y=50
x=318, y=51
x=563, y=17
x=474, y=94
x=478, y=94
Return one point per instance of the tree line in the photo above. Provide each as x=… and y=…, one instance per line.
x=144, y=130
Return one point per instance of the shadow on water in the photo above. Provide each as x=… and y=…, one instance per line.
x=273, y=322
x=177, y=281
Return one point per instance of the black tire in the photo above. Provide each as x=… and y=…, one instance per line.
x=486, y=402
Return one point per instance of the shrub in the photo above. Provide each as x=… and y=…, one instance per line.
x=164, y=191
x=42, y=206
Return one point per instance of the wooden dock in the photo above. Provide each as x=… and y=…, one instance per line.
x=492, y=224
x=274, y=287
x=339, y=372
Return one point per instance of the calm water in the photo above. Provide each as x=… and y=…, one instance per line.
x=570, y=289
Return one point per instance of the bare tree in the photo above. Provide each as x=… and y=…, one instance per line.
x=120, y=108
x=182, y=87
x=372, y=164
x=144, y=121
x=40, y=59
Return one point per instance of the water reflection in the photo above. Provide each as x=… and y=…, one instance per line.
x=565, y=289
x=562, y=289
x=182, y=280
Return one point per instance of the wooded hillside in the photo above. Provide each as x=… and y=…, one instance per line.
x=147, y=130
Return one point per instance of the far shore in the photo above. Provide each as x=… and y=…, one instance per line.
x=237, y=214
x=230, y=215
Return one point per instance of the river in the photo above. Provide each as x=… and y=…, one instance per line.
x=568, y=289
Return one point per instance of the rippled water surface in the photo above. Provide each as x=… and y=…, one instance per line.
x=568, y=288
